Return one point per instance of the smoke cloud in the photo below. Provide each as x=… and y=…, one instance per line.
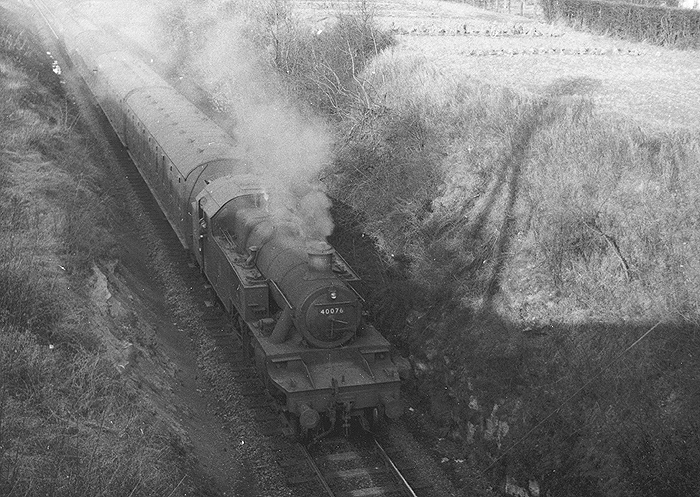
x=281, y=139
x=211, y=44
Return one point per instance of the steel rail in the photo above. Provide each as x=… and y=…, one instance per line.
x=38, y=6
x=317, y=470
x=394, y=470
x=397, y=474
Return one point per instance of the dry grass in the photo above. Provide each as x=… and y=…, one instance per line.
x=70, y=425
x=654, y=88
x=456, y=158
x=654, y=85
x=513, y=211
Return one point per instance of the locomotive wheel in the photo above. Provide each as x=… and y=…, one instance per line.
x=294, y=425
x=245, y=338
x=376, y=418
x=262, y=375
x=298, y=433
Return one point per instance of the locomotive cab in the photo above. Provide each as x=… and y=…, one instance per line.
x=238, y=284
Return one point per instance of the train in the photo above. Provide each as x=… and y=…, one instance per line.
x=295, y=301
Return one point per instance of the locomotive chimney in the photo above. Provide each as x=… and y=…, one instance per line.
x=320, y=256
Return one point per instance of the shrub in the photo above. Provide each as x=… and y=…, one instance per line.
x=660, y=25
x=324, y=66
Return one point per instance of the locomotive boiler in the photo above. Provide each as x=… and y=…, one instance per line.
x=294, y=300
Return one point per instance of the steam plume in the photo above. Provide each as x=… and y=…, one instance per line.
x=282, y=140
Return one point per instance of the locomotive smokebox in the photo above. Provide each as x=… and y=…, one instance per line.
x=320, y=257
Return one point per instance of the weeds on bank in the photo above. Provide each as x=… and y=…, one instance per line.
x=514, y=212
x=478, y=182
x=69, y=424
x=323, y=67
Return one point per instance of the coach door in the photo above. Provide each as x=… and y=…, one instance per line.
x=201, y=230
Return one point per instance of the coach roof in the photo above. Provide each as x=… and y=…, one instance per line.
x=185, y=134
x=127, y=73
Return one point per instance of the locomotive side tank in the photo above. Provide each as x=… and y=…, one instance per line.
x=293, y=298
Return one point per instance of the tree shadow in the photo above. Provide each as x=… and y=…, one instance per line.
x=512, y=163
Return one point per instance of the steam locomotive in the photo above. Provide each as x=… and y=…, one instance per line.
x=295, y=301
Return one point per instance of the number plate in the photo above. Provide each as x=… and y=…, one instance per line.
x=331, y=311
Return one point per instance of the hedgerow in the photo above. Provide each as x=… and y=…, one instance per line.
x=661, y=25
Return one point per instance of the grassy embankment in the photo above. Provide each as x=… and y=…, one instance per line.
x=527, y=243
x=541, y=241
x=70, y=423
x=537, y=241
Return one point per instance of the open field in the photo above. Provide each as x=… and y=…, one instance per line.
x=654, y=85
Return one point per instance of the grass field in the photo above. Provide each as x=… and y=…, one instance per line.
x=653, y=85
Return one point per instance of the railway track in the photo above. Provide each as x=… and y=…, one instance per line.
x=349, y=467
